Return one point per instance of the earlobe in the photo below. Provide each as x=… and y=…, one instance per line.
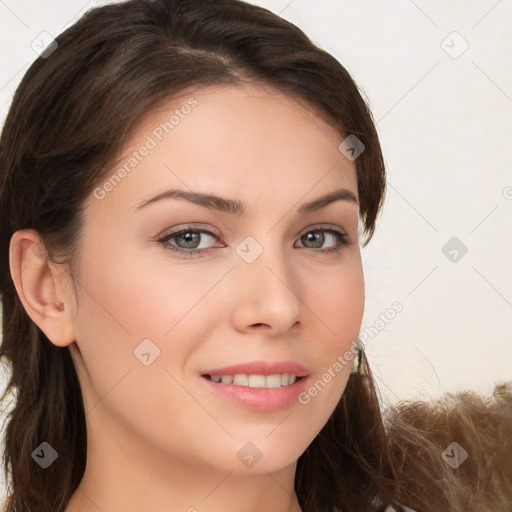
x=39, y=287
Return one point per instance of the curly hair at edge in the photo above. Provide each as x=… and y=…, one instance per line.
x=421, y=431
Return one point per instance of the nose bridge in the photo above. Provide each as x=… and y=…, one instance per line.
x=268, y=286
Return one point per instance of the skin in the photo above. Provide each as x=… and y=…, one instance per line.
x=158, y=438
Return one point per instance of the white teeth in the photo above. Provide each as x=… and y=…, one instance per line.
x=273, y=381
x=241, y=379
x=256, y=381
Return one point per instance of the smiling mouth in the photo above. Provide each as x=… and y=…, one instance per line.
x=277, y=380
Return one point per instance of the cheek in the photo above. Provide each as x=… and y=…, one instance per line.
x=139, y=296
x=125, y=299
x=338, y=301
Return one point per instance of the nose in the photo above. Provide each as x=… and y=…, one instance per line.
x=266, y=294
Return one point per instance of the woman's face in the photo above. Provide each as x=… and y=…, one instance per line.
x=173, y=289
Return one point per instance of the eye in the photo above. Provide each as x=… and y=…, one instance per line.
x=189, y=241
x=193, y=242
x=315, y=239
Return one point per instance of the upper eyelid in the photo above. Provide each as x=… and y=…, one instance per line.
x=188, y=227
x=213, y=231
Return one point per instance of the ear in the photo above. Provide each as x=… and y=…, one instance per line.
x=40, y=287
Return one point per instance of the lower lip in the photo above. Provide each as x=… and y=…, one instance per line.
x=259, y=399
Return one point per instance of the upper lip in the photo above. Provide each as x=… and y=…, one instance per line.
x=261, y=368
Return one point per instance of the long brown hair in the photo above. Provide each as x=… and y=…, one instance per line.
x=68, y=121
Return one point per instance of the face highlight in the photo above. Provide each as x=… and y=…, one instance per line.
x=232, y=239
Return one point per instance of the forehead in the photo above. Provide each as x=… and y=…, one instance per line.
x=234, y=140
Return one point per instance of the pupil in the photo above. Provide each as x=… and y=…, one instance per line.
x=316, y=238
x=191, y=240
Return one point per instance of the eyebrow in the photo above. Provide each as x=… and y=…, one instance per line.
x=237, y=207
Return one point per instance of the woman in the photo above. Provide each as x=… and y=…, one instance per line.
x=184, y=189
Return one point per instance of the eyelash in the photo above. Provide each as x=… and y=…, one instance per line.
x=342, y=237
